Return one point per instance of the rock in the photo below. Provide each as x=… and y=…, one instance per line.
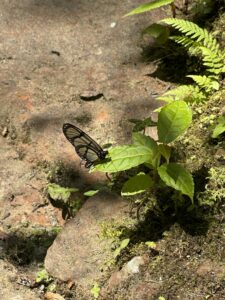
x=78, y=253
x=130, y=268
x=133, y=266
x=53, y=296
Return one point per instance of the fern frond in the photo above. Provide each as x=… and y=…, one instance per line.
x=185, y=41
x=191, y=45
x=188, y=93
x=212, y=61
x=195, y=32
x=206, y=82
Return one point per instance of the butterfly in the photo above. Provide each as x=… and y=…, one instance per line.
x=86, y=148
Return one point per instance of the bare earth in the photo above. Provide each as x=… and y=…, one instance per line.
x=51, y=52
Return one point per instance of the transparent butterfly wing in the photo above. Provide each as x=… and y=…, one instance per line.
x=87, y=149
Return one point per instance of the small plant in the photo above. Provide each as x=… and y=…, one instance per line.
x=173, y=120
x=95, y=291
x=61, y=197
x=43, y=277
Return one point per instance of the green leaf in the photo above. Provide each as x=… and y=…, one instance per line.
x=137, y=184
x=125, y=157
x=148, y=6
x=165, y=150
x=43, y=276
x=158, y=32
x=142, y=124
x=143, y=140
x=95, y=291
x=91, y=193
x=220, y=127
x=124, y=243
x=174, y=119
x=177, y=177
x=151, y=245
x=57, y=192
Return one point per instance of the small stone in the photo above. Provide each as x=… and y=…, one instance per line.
x=130, y=268
x=133, y=266
x=5, y=131
x=113, y=24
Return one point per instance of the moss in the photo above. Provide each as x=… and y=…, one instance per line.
x=214, y=191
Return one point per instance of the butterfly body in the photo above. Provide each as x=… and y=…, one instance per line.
x=86, y=148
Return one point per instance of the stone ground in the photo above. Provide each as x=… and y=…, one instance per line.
x=51, y=52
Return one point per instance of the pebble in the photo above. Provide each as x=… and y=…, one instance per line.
x=5, y=131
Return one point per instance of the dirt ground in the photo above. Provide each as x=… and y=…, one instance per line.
x=53, y=52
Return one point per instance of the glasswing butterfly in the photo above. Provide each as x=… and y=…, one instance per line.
x=86, y=148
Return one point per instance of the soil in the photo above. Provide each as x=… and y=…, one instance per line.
x=79, y=61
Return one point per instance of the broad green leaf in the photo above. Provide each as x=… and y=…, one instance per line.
x=137, y=184
x=91, y=193
x=125, y=157
x=159, y=32
x=57, y=192
x=144, y=140
x=174, y=119
x=177, y=177
x=220, y=127
x=148, y=6
x=165, y=150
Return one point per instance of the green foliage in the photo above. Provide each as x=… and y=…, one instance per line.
x=201, y=43
x=177, y=177
x=95, y=291
x=123, y=244
x=142, y=124
x=125, y=157
x=187, y=93
x=151, y=245
x=214, y=189
x=43, y=276
x=165, y=151
x=206, y=82
x=57, y=192
x=91, y=193
x=143, y=140
x=219, y=128
x=137, y=184
x=158, y=32
x=62, y=196
x=196, y=33
x=148, y=6
x=174, y=119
